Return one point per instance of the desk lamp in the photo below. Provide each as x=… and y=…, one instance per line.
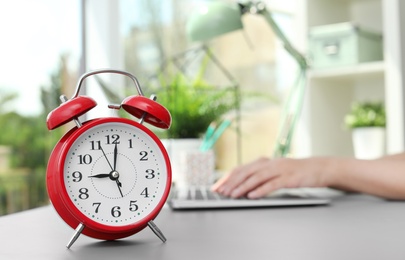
x=216, y=18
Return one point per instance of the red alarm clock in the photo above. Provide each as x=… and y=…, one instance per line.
x=108, y=178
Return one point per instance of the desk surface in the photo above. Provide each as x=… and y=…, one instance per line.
x=352, y=227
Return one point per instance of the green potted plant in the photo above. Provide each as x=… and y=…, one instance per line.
x=194, y=105
x=366, y=114
x=367, y=120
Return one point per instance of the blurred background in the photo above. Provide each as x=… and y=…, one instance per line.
x=48, y=44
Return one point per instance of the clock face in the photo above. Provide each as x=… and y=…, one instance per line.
x=115, y=174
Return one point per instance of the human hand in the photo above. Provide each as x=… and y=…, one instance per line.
x=259, y=178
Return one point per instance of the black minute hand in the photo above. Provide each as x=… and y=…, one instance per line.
x=115, y=157
x=119, y=184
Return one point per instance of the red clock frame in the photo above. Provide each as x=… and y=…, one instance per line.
x=64, y=206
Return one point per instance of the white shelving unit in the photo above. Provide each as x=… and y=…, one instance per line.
x=331, y=91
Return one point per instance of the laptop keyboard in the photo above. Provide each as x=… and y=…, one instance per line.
x=201, y=197
x=204, y=194
x=204, y=198
x=200, y=193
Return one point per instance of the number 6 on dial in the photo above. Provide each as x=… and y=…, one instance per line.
x=109, y=177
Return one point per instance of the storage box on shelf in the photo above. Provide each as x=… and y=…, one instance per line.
x=343, y=44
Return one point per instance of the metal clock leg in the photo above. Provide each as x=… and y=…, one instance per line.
x=76, y=235
x=157, y=231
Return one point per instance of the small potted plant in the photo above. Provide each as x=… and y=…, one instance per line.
x=194, y=105
x=367, y=121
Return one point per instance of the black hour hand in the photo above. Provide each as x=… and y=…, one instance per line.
x=101, y=175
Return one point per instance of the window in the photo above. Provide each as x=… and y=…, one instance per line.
x=39, y=39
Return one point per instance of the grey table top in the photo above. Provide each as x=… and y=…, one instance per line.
x=351, y=227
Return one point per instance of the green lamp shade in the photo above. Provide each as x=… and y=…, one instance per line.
x=212, y=20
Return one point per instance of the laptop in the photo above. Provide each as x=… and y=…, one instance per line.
x=204, y=198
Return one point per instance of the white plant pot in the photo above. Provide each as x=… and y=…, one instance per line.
x=369, y=142
x=177, y=148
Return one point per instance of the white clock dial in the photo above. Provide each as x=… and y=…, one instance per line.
x=115, y=174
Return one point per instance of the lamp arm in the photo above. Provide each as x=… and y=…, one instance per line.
x=260, y=8
x=295, y=98
x=287, y=45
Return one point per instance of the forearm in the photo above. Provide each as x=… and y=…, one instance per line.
x=398, y=156
x=383, y=177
